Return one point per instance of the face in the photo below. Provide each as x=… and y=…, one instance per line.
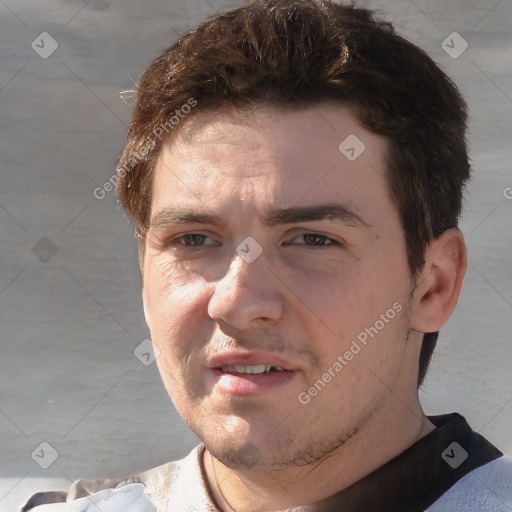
x=271, y=249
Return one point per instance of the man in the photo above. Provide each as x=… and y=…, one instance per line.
x=294, y=171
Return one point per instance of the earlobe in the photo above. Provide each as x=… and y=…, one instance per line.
x=439, y=285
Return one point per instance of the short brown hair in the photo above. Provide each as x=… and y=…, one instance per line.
x=293, y=54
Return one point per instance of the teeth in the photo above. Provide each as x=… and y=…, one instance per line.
x=259, y=368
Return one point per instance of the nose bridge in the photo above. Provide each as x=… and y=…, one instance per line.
x=244, y=274
x=247, y=262
x=244, y=293
x=237, y=273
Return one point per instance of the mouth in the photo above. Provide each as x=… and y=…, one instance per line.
x=250, y=380
x=250, y=372
x=258, y=369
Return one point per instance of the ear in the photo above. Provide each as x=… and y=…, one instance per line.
x=439, y=284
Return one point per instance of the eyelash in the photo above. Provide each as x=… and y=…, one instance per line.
x=175, y=241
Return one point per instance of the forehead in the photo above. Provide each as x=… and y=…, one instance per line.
x=269, y=157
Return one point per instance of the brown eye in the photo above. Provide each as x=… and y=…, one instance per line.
x=315, y=240
x=191, y=240
x=194, y=239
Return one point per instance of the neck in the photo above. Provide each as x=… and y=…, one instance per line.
x=391, y=430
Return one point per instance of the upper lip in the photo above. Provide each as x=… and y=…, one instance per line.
x=248, y=358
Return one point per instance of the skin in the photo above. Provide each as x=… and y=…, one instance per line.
x=304, y=298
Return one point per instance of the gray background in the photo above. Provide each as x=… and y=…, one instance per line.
x=70, y=321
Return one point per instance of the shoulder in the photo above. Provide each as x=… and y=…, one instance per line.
x=153, y=485
x=488, y=487
x=123, y=498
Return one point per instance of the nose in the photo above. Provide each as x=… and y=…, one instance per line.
x=246, y=293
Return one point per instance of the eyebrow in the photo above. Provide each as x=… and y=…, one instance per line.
x=331, y=211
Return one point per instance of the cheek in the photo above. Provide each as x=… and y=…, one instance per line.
x=357, y=372
x=339, y=302
x=173, y=304
x=357, y=313
x=170, y=291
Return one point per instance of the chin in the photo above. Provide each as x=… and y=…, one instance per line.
x=246, y=453
x=248, y=456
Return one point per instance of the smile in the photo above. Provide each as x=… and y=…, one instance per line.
x=255, y=369
x=249, y=380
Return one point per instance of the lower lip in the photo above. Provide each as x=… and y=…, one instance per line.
x=250, y=384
